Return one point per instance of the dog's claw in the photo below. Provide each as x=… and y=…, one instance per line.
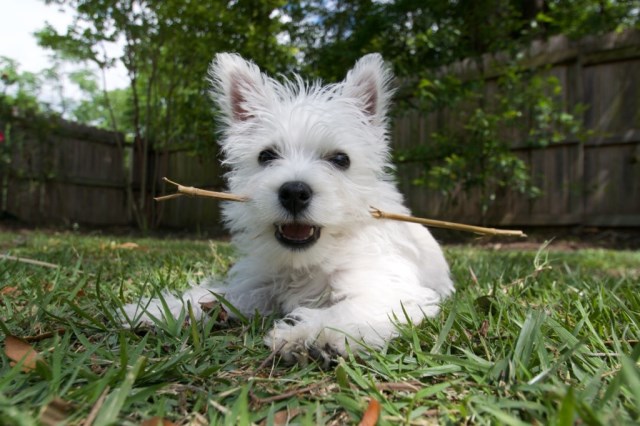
x=324, y=357
x=299, y=354
x=295, y=354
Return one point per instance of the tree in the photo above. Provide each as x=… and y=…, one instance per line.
x=20, y=89
x=168, y=45
x=97, y=107
x=23, y=90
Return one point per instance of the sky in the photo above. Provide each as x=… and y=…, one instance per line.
x=20, y=19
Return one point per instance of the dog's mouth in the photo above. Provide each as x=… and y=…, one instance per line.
x=297, y=236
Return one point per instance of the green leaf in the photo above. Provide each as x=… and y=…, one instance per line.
x=116, y=400
x=444, y=332
x=527, y=337
x=631, y=374
x=341, y=377
x=566, y=413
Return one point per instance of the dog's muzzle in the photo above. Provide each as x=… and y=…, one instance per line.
x=295, y=197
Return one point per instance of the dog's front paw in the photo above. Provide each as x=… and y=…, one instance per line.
x=296, y=344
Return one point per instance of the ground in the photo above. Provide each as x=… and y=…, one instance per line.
x=533, y=335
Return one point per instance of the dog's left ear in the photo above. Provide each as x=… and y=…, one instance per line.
x=368, y=83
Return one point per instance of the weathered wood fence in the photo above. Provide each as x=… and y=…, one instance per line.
x=72, y=173
x=592, y=182
x=62, y=173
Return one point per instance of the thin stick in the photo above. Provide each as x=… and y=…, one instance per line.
x=286, y=395
x=39, y=337
x=96, y=407
x=224, y=410
x=379, y=214
x=376, y=213
x=29, y=261
x=399, y=386
x=168, y=197
x=197, y=192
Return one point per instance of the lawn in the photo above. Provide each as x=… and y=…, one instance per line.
x=547, y=337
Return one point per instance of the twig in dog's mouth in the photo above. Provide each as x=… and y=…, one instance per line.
x=379, y=214
x=376, y=213
x=197, y=192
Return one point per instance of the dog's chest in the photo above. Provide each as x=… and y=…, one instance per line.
x=308, y=288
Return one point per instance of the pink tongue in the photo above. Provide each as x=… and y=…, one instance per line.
x=296, y=231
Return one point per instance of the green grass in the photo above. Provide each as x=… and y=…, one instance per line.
x=529, y=338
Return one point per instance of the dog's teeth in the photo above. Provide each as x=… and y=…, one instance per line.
x=312, y=231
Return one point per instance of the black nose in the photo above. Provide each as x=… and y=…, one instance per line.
x=295, y=196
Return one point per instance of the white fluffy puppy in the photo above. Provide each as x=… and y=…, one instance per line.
x=312, y=159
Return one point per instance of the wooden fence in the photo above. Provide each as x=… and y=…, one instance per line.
x=63, y=173
x=73, y=173
x=595, y=182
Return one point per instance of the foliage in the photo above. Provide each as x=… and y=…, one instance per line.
x=524, y=108
x=545, y=338
x=579, y=18
x=99, y=109
x=19, y=90
x=410, y=34
x=473, y=150
x=167, y=49
x=44, y=93
x=168, y=46
x=414, y=35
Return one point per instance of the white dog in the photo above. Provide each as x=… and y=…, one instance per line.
x=312, y=160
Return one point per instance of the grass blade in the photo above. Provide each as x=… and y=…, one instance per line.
x=116, y=400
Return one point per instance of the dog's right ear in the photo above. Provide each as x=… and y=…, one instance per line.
x=239, y=88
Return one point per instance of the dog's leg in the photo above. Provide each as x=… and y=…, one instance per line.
x=367, y=319
x=247, y=297
x=148, y=310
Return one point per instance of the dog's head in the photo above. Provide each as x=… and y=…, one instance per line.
x=311, y=158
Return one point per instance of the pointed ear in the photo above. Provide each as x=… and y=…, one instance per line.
x=368, y=82
x=238, y=86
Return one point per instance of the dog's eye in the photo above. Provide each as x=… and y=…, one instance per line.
x=267, y=156
x=340, y=160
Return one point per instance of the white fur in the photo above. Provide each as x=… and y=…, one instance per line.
x=363, y=273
